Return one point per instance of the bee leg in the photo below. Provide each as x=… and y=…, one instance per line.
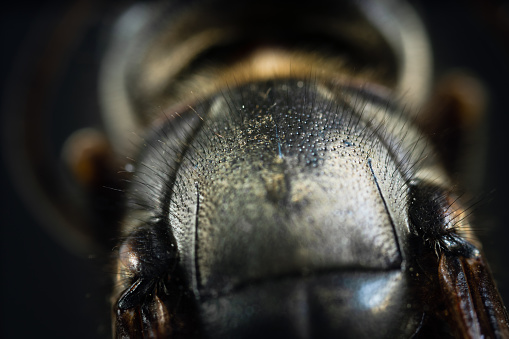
x=140, y=313
x=128, y=323
x=149, y=320
x=475, y=308
x=156, y=319
x=127, y=310
x=135, y=295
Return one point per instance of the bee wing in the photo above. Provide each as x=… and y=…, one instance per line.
x=474, y=305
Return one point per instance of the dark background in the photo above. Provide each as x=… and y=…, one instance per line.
x=46, y=291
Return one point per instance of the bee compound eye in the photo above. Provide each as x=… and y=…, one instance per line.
x=439, y=219
x=149, y=253
x=145, y=258
x=129, y=258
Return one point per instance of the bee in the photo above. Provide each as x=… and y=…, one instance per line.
x=284, y=174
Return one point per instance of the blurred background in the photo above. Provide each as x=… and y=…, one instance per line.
x=46, y=291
